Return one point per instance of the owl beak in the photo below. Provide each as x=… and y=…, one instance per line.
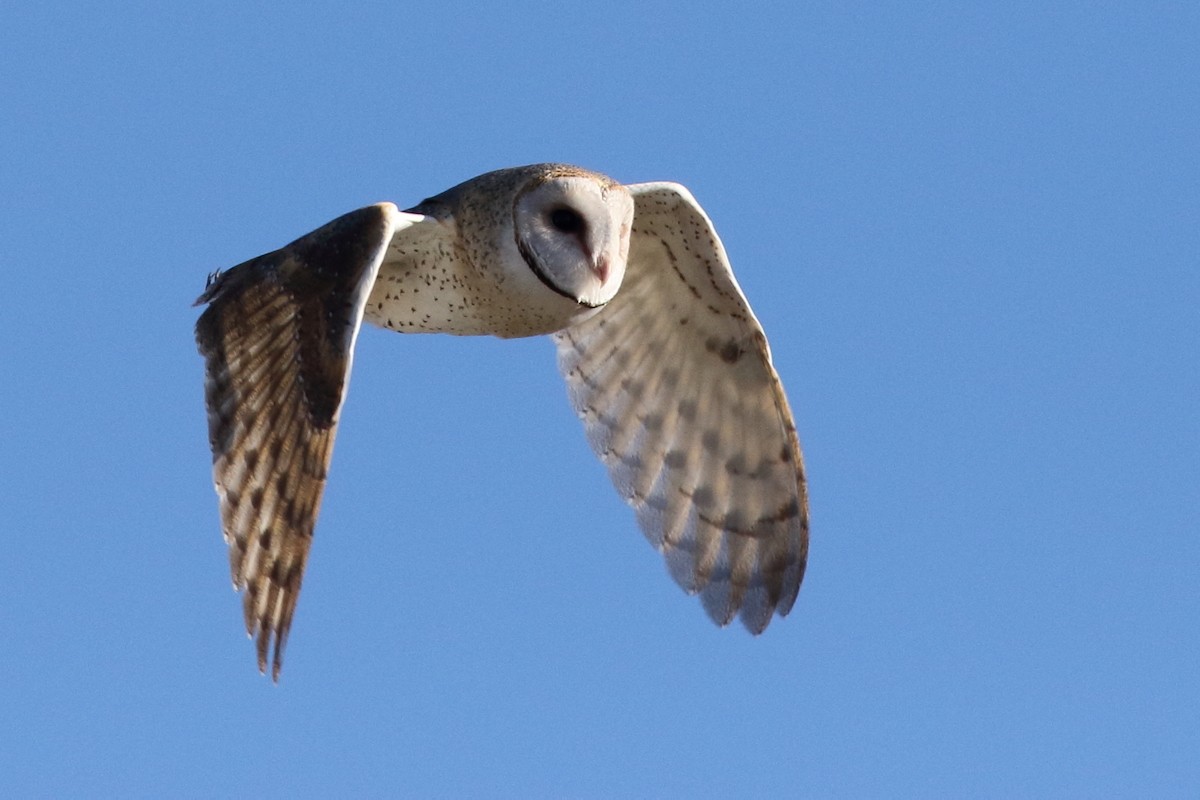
x=601, y=266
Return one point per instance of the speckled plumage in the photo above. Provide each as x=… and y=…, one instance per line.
x=664, y=362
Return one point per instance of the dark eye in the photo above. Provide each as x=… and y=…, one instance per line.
x=566, y=220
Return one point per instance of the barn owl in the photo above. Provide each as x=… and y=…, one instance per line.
x=664, y=362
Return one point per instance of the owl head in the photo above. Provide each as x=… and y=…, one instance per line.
x=555, y=236
x=572, y=231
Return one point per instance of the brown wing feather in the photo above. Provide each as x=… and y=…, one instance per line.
x=277, y=339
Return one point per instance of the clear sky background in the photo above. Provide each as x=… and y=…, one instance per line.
x=971, y=231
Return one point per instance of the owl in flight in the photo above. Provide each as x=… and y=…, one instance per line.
x=664, y=362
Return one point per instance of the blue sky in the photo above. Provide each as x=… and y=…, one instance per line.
x=970, y=231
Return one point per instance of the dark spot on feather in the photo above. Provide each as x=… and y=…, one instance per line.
x=774, y=565
x=633, y=388
x=729, y=351
x=773, y=571
x=787, y=511
x=735, y=522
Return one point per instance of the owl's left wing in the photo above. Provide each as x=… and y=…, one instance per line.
x=278, y=339
x=674, y=383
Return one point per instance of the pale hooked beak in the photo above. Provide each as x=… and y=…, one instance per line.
x=601, y=266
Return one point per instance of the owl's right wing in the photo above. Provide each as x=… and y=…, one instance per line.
x=278, y=340
x=674, y=383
